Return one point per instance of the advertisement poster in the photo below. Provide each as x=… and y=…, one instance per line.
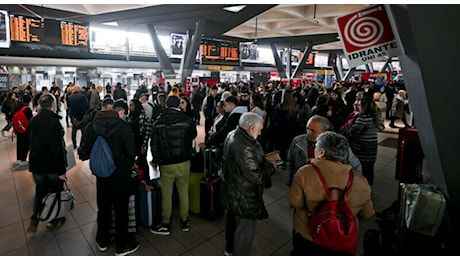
x=4, y=29
x=4, y=80
x=177, y=45
x=326, y=76
x=248, y=52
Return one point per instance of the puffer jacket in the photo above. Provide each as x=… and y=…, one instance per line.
x=307, y=193
x=245, y=172
x=172, y=137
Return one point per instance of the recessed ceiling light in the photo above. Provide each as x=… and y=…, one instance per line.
x=114, y=23
x=235, y=8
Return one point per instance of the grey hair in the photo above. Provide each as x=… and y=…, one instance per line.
x=225, y=95
x=46, y=101
x=325, y=124
x=248, y=118
x=335, y=146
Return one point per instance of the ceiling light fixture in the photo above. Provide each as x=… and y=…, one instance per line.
x=314, y=15
x=235, y=8
x=113, y=23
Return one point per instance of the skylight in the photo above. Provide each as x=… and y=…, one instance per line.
x=235, y=8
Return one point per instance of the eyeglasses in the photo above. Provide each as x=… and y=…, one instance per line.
x=182, y=102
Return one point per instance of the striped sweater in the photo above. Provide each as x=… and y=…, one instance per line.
x=363, y=138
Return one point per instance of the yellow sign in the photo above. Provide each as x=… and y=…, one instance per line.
x=227, y=67
x=213, y=67
x=325, y=72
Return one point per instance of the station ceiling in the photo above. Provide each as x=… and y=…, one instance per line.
x=284, y=24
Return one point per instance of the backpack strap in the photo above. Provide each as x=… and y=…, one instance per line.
x=329, y=194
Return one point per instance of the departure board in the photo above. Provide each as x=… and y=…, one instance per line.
x=46, y=31
x=74, y=34
x=219, y=52
x=25, y=29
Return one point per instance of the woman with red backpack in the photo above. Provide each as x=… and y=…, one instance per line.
x=20, y=120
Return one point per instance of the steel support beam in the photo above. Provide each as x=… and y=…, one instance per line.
x=387, y=65
x=279, y=64
x=301, y=65
x=165, y=63
x=190, y=54
x=339, y=67
x=349, y=73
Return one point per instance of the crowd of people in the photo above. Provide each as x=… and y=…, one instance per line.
x=333, y=129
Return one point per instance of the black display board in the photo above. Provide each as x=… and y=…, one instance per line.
x=50, y=32
x=219, y=52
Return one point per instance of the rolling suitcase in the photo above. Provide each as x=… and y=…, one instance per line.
x=149, y=203
x=210, y=187
x=409, y=157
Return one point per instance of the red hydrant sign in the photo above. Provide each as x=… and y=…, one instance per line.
x=368, y=35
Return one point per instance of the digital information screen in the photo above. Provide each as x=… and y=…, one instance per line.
x=219, y=52
x=34, y=30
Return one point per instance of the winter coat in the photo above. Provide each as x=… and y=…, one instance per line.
x=172, y=136
x=397, y=108
x=47, y=147
x=298, y=155
x=307, y=193
x=245, y=172
x=118, y=136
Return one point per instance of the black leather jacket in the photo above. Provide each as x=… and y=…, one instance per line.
x=245, y=172
x=172, y=137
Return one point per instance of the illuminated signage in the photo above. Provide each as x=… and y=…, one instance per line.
x=219, y=52
x=34, y=30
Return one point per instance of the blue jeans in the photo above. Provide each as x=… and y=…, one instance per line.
x=44, y=183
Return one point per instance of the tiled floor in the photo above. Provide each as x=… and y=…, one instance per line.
x=206, y=238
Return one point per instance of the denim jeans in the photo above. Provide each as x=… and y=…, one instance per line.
x=44, y=183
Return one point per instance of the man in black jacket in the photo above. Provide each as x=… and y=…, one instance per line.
x=171, y=146
x=47, y=158
x=246, y=169
x=78, y=105
x=115, y=189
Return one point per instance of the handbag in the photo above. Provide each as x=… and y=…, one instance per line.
x=57, y=204
x=422, y=207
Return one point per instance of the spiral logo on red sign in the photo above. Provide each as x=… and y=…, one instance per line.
x=365, y=28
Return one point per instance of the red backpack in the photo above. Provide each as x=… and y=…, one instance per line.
x=20, y=121
x=334, y=226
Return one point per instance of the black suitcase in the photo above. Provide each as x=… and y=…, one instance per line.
x=210, y=187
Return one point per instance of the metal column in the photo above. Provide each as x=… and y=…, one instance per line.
x=301, y=65
x=349, y=73
x=165, y=63
x=190, y=54
x=279, y=64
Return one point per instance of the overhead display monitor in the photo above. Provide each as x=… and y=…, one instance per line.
x=45, y=31
x=4, y=29
x=219, y=52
